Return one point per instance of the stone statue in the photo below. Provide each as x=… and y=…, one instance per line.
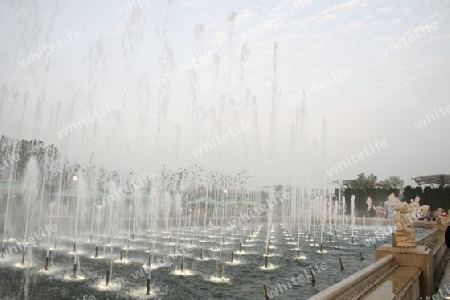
x=404, y=235
x=379, y=210
x=390, y=205
x=440, y=217
x=330, y=203
x=424, y=212
x=439, y=213
x=414, y=207
x=369, y=203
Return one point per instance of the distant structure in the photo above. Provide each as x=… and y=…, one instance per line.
x=438, y=179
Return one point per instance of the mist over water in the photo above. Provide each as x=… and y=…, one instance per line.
x=134, y=101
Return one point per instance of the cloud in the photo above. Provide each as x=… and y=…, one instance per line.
x=422, y=29
x=387, y=9
x=349, y=4
x=396, y=22
x=331, y=12
x=407, y=11
x=247, y=14
x=187, y=3
x=440, y=38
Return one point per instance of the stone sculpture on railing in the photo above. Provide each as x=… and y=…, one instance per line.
x=440, y=217
x=424, y=213
x=439, y=213
x=414, y=208
x=404, y=235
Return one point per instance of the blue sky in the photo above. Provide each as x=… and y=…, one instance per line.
x=120, y=56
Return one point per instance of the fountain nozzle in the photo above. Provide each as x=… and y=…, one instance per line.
x=149, y=288
x=341, y=264
x=182, y=264
x=107, y=277
x=313, y=278
x=46, y=263
x=75, y=268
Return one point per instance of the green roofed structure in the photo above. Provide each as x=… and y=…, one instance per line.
x=204, y=200
x=73, y=193
x=15, y=187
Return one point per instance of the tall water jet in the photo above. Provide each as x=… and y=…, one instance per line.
x=81, y=190
x=8, y=199
x=164, y=93
x=31, y=180
x=51, y=207
x=352, y=206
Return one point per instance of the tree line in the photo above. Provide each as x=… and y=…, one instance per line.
x=364, y=186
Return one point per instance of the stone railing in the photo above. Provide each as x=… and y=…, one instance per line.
x=406, y=273
x=435, y=241
x=359, y=283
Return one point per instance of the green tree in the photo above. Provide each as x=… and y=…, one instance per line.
x=364, y=182
x=393, y=182
x=409, y=193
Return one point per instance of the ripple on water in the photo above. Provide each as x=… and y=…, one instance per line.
x=203, y=259
x=271, y=255
x=142, y=294
x=23, y=266
x=235, y=262
x=185, y=272
x=70, y=278
x=51, y=271
x=122, y=262
x=156, y=265
x=79, y=252
x=270, y=267
x=112, y=286
x=221, y=280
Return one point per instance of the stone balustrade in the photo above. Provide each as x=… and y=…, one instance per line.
x=407, y=273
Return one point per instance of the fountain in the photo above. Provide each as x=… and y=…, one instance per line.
x=201, y=220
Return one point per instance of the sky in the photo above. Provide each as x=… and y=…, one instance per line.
x=295, y=86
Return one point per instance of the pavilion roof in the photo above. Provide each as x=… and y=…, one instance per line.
x=440, y=179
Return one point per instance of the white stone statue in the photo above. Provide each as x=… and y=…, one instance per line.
x=390, y=204
x=330, y=203
x=369, y=203
x=424, y=212
x=404, y=235
x=379, y=211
